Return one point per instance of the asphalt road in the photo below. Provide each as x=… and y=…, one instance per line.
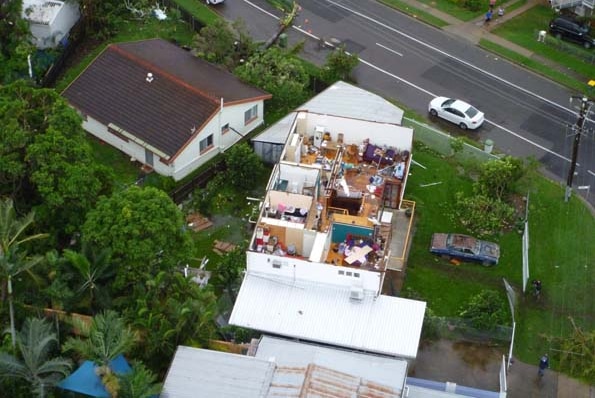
x=411, y=62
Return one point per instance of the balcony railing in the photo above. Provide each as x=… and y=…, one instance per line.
x=560, y=4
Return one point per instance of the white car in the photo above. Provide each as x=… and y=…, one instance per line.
x=456, y=111
x=214, y=1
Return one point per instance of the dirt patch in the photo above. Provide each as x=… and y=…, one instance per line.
x=474, y=354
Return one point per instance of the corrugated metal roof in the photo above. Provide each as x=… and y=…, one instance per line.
x=315, y=381
x=322, y=313
x=340, y=99
x=196, y=373
x=383, y=370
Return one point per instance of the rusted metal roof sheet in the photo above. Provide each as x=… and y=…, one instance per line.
x=314, y=381
x=383, y=370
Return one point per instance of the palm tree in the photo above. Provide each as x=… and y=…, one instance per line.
x=93, y=268
x=35, y=341
x=11, y=264
x=107, y=336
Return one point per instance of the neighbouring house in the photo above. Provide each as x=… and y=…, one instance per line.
x=582, y=8
x=276, y=367
x=324, y=241
x=164, y=107
x=50, y=21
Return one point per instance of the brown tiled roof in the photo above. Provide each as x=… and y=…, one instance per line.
x=185, y=92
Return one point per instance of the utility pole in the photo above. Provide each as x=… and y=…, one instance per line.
x=578, y=131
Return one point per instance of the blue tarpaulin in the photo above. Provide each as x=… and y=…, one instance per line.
x=85, y=381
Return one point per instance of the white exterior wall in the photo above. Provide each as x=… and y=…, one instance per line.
x=130, y=148
x=300, y=269
x=190, y=158
x=356, y=131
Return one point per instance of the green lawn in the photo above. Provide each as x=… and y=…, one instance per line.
x=415, y=12
x=560, y=256
x=199, y=10
x=523, y=29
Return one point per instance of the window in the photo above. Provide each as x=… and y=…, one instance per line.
x=348, y=273
x=356, y=274
x=225, y=128
x=341, y=272
x=250, y=114
x=206, y=144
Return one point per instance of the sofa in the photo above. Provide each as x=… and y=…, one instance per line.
x=376, y=154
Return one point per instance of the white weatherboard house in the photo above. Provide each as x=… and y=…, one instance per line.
x=50, y=21
x=163, y=106
x=322, y=243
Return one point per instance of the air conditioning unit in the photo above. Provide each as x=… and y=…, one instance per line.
x=356, y=293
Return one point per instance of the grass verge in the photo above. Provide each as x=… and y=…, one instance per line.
x=415, y=12
x=198, y=10
x=534, y=65
x=557, y=257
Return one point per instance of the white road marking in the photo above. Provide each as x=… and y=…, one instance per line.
x=389, y=49
x=449, y=55
x=422, y=89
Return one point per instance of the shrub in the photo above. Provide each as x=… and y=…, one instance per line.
x=483, y=215
x=485, y=310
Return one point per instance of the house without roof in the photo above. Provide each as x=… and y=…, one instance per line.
x=164, y=107
x=323, y=241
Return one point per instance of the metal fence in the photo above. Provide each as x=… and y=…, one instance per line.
x=461, y=329
x=442, y=142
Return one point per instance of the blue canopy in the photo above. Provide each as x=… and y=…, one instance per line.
x=85, y=381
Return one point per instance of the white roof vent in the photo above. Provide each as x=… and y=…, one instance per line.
x=150, y=77
x=356, y=293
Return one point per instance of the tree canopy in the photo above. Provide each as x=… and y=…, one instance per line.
x=15, y=43
x=143, y=229
x=46, y=163
x=280, y=73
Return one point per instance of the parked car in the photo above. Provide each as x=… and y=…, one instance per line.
x=568, y=28
x=456, y=111
x=214, y=1
x=466, y=248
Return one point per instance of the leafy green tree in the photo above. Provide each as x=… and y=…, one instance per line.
x=107, y=337
x=167, y=311
x=227, y=274
x=224, y=43
x=498, y=177
x=483, y=215
x=278, y=73
x=15, y=43
x=35, y=364
x=243, y=166
x=485, y=310
x=46, y=163
x=144, y=231
x=339, y=65
x=102, y=18
x=576, y=353
x=12, y=260
x=139, y=383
